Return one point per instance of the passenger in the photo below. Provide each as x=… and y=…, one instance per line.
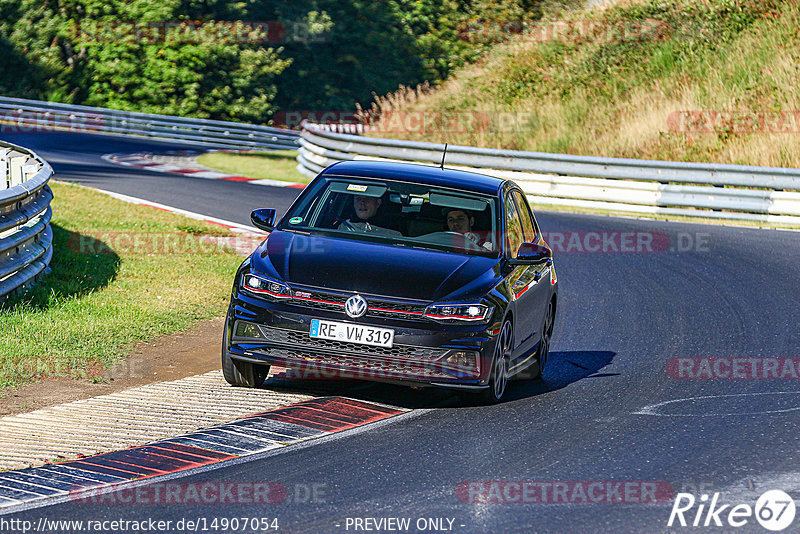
x=366, y=208
x=462, y=222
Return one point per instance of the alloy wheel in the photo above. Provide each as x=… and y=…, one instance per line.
x=500, y=363
x=547, y=335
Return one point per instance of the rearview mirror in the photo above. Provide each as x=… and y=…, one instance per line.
x=264, y=218
x=532, y=254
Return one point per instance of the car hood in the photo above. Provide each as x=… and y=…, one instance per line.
x=375, y=268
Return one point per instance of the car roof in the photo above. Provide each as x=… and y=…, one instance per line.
x=422, y=174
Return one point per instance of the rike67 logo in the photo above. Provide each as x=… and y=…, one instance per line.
x=774, y=510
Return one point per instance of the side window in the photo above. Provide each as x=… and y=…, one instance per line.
x=528, y=226
x=514, y=232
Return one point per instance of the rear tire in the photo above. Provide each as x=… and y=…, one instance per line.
x=543, y=352
x=239, y=373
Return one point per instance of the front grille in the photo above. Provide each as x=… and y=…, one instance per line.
x=327, y=364
x=321, y=301
x=302, y=339
x=394, y=310
x=377, y=308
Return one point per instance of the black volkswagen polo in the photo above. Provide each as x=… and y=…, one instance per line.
x=396, y=272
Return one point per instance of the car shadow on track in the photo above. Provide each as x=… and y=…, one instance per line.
x=563, y=368
x=380, y=392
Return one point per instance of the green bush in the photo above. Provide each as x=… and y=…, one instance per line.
x=68, y=51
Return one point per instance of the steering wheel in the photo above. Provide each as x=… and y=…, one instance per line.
x=468, y=243
x=347, y=226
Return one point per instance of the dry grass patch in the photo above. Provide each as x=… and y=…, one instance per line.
x=615, y=97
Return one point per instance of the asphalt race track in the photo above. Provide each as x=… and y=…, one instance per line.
x=78, y=158
x=615, y=405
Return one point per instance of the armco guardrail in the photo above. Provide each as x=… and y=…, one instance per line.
x=33, y=115
x=737, y=192
x=26, y=238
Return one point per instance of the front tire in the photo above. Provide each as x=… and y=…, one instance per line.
x=239, y=373
x=498, y=378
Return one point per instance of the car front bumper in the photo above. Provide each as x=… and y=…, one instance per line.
x=276, y=333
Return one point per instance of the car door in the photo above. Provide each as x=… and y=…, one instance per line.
x=518, y=278
x=529, y=283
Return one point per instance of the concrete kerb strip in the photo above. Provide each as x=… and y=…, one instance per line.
x=119, y=419
x=251, y=436
x=144, y=160
x=103, y=489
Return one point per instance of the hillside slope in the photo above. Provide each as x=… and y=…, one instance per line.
x=708, y=80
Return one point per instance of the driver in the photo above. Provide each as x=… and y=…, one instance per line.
x=461, y=221
x=366, y=207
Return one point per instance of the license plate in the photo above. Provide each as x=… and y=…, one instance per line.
x=352, y=333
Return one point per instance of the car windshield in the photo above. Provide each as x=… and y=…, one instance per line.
x=397, y=212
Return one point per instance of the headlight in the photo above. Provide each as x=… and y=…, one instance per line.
x=458, y=312
x=265, y=287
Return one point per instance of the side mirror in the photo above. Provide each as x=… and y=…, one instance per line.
x=532, y=254
x=264, y=218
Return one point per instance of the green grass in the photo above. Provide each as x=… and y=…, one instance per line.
x=121, y=273
x=273, y=165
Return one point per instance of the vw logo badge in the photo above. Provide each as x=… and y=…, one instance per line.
x=355, y=306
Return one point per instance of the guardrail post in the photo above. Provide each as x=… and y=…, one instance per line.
x=29, y=171
x=4, y=176
x=15, y=170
